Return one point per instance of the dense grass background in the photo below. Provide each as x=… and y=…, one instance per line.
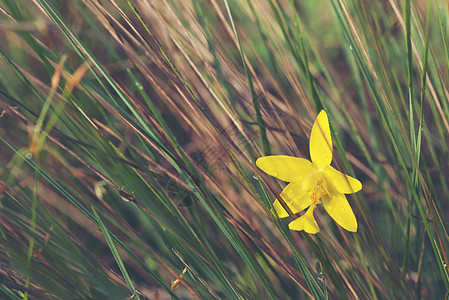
x=130, y=130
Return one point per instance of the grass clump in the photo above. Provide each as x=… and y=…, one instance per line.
x=130, y=130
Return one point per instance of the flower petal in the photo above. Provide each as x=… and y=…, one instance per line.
x=338, y=208
x=321, y=141
x=286, y=168
x=294, y=197
x=282, y=213
x=306, y=222
x=342, y=183
x=312, y=181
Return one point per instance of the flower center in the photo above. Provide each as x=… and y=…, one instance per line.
x=318, y=192
x=315, y=186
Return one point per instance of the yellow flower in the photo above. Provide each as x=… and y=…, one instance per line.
x=313, y=182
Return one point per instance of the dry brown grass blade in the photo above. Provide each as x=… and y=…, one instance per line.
x=419, y=60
